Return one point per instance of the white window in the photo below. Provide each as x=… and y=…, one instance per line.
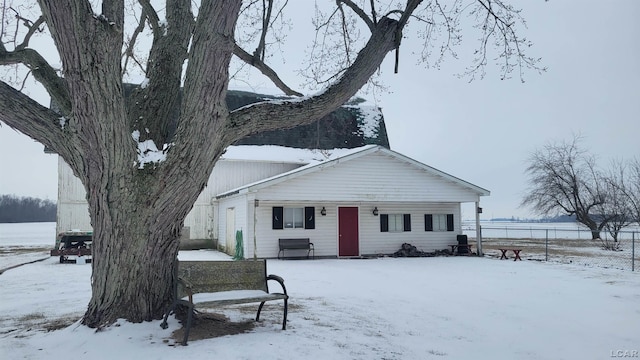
x=439, y=222
x=396, y=222
x=293, y=218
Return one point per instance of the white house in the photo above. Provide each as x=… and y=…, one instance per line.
x=366, y=201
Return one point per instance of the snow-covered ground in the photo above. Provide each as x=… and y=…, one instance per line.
x=420, y=308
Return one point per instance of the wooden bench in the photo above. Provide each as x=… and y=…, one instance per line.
x=296, y=244
x=516, y=252
x=216, y=283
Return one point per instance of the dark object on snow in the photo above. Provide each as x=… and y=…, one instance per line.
x=73, y=247
x=462, y=240
x=408, y=250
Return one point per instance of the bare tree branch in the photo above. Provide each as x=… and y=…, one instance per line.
x=41, y=124
x=33, y=27
x=149, y=106
x=269, y=115
x=266, y=21
x=131, y=43
x=42, y=72
x=264, y=69
x=356, y=9
x=150, y=14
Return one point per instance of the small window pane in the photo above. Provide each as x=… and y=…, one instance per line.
x=396, y=222
x=439, y=222
x=293, y=218
x=298, y=218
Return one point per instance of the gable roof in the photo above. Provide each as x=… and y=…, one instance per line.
x=349, y=155
x=354, y=124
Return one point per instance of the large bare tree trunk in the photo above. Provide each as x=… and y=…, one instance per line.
x=132, y=267
x=137, y=214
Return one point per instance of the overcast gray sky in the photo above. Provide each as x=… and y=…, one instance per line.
x=483, y=131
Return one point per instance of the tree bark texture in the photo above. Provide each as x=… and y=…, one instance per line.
x=137, y=210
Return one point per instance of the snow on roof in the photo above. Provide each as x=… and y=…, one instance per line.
x=370, y=120
x=285, y=154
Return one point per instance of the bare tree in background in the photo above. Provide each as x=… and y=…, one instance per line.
x=145, y=158
x=617, y=207
x=631, y=188
x=563, y=179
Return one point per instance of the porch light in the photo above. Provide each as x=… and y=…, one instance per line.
x=375, y=211
x=323, y=212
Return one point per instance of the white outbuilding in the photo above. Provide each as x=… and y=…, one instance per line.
x=364, y=201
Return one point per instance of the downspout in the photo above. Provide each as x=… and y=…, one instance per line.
x=478, y=228
x=256, y=203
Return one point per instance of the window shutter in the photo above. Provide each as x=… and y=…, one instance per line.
x=449, y=222
x=428, y=222
x=278, y=218
x=407, y=222
x=309, y=217
x=384, y=223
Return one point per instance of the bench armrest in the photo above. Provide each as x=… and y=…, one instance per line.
x=187, y=287
x=280, y=281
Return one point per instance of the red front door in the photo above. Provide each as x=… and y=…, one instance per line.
x=348, y=231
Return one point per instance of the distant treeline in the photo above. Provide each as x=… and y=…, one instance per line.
x=15, y=209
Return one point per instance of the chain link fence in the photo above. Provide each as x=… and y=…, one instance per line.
x=569, y=246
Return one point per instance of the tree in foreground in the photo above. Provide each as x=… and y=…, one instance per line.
x=144, y=158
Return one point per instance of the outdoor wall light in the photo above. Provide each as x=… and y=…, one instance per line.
x=323, y=212
x=375, y=211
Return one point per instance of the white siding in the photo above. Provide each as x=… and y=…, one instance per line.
x=325, y=235
x=239, y=204
x=373, y=241
x=200, y=222
x=375, y=177
x=230, y=174
x=73, y=210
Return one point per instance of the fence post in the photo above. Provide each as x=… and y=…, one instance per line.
x=479, y=241
x=633, y=251
x=546, y=245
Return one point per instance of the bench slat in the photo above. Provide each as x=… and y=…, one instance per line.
x=233, y=297
x=203, y=276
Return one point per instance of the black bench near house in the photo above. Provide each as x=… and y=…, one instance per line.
x=296, y=244
x=216, y=283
